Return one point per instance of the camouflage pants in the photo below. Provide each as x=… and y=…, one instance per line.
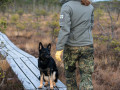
x=85, y=58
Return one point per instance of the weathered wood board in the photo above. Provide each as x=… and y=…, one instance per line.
x=23, y=64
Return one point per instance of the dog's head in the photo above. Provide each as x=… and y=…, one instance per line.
x=44, y=53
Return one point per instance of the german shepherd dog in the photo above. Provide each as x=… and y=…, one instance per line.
x=47, y=67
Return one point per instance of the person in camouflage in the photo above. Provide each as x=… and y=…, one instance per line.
x=84, y=56
x=75, y=39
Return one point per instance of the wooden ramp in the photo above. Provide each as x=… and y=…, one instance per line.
x=24, y=65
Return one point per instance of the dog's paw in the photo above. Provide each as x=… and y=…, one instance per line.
x=51, y=88
x=40, y=87
x=54, y=84
x=46, y=84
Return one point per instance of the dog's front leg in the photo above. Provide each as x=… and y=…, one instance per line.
x=41, y=81
x=51, y=81
x=54, y=84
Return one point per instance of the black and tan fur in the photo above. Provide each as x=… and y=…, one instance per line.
x=47, y=67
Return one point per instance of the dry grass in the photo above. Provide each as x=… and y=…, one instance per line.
x=107, y=79
x=4, y=65
x=10, y=81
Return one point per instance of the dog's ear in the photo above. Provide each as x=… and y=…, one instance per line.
x=40, y=46
x=49, y=46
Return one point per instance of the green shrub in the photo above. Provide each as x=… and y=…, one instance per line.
x=1, y=75
x=43, y=12
x=98, y=13
x=55, y=17
x=56, y=31
x=20, y=12
x=14, y=18
x=4, y=4
x=36, y=25
x=53, y=24
x=117, y=49
x=115, y=43
x=39, y=13
x=3, y=25
x=20, y=26
x=104, y=38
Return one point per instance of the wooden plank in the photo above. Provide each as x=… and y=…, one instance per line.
x=60, y=84
x=25, y=60
x=34, y=61
x=27, y=72
x=3, y=40
x=25, y=81
x=31, y=80
x=23, y=68
x=5, y=43
x=6, y=40
x=5, y=52
x=12, y=49
x=10, y=52
x=31, y=66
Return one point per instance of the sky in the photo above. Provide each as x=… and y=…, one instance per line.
x=100, y=0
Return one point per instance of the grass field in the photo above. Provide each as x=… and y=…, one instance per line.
x=27, y=31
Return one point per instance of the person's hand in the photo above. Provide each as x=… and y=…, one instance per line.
x=58, y=55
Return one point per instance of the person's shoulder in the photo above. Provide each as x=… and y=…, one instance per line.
x=69, y=3
x=66, y=6
x=91, y=6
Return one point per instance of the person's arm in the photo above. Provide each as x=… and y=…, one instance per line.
x=65, y=24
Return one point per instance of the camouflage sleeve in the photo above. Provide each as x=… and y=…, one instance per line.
x=92, y=20
x=65, y=24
